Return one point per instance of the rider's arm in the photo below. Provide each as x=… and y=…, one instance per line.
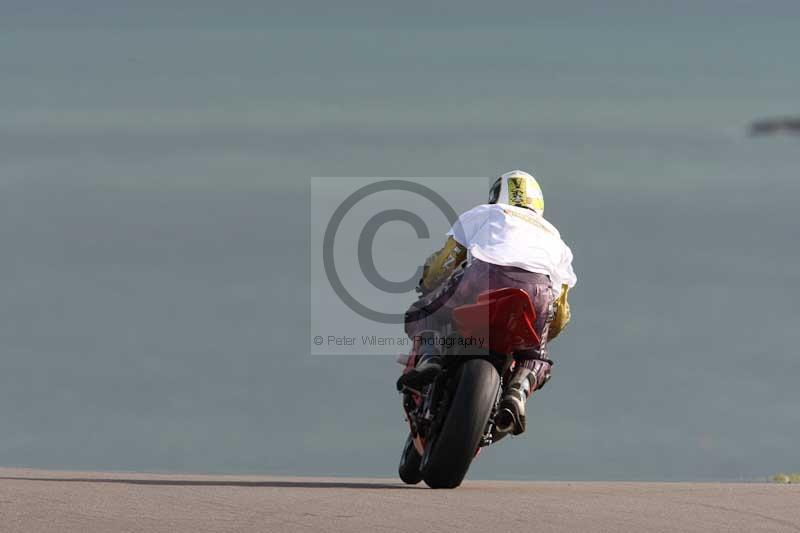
x=441, y=264
x=566, y=276
x=562, y=314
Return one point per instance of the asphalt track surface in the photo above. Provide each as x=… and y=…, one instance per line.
x=34, y=501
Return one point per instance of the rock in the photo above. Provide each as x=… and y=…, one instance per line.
x=774, y=126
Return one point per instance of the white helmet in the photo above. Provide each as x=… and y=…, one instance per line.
x=517, y=188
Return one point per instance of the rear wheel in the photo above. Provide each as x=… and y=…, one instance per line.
x=409, y=463
x=450, y=454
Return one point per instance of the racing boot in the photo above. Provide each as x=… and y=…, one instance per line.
x=511, y=413
x=428, y=367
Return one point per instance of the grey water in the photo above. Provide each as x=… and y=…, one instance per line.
x=155, y=176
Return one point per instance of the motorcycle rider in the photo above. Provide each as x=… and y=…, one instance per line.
x=505, y=243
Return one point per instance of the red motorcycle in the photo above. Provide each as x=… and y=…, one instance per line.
x=453, y=418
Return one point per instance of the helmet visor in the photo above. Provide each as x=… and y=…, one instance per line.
x=494, y=192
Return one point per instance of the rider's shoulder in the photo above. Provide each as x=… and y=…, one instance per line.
x=485, y=210
x=479, y=211
x=501, y=212
x=516, y=213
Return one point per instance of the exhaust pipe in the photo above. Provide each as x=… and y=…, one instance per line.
x=504, y=421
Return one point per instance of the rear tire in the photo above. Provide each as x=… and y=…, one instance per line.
x=451, y=453
x=409, y=463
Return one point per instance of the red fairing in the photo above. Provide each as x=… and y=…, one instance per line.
x=505, y=317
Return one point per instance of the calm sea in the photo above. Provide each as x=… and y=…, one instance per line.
x=154, y=228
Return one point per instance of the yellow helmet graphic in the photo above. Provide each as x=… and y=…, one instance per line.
x=517, y=188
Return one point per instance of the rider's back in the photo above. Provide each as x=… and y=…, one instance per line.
x=507, y=235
